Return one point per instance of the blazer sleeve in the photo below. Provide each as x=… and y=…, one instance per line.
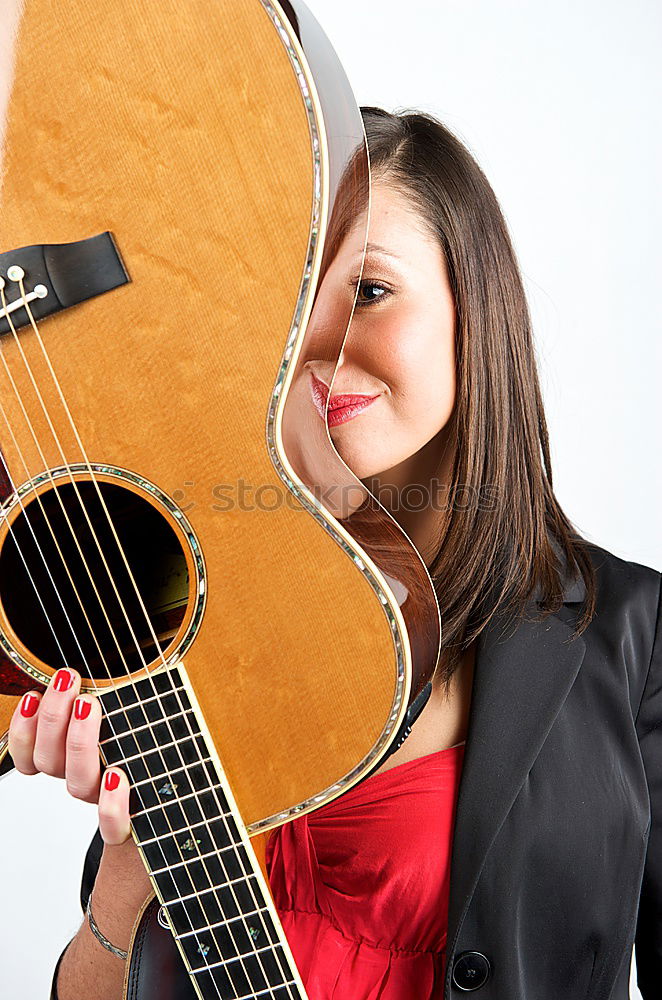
x=648, y=939
x=90, y=869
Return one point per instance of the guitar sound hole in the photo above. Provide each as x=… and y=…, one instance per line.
x=73, y=602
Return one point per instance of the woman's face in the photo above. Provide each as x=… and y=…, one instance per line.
x=400, y=347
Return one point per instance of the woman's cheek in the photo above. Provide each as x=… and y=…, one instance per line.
x=426, y=391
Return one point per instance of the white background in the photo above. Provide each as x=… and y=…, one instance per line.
x=559, y=104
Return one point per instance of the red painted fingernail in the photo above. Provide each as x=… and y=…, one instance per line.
x=29, y=705
x=63, y=680
x=82, y=708
x=112, y=780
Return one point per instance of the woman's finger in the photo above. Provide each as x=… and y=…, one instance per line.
x=114, y=823
x=53, y=721
x=82, y=767
x=23, y=732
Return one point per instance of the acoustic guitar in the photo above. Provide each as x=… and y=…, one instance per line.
x=178, y=181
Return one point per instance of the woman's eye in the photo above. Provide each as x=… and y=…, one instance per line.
x=370, y=287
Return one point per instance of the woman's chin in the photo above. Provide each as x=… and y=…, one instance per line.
x=361, y=466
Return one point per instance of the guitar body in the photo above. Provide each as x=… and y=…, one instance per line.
x=159, y=520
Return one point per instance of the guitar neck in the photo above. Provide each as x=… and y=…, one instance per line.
x=194, y=844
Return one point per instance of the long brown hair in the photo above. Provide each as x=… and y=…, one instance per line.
x=490, y=556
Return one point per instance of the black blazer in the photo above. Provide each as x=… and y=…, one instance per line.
x=556, y=866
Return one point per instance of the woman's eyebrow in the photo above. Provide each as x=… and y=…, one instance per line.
x=374, y=247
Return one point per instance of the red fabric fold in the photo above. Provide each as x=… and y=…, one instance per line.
x=361, y=885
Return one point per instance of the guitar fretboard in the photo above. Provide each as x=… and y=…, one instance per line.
x=201, y=863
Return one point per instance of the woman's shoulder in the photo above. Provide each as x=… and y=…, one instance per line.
x=625, y=628
x=624, y=585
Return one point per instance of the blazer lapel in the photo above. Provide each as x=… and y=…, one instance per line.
x=520, y=682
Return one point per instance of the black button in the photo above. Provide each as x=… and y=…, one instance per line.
x=471, y=970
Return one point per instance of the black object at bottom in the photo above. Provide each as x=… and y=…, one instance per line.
x=156, y=970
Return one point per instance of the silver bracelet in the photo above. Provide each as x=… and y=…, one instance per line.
x=99, y=936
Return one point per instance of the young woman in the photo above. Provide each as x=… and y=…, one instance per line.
x=513, y=845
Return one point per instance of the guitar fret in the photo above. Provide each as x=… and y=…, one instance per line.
x=271, y=990
x=196, y=848
x=143, y=701
x=224, y=923
x=237, y=958
x=150, y=726
x=212, y=888
x=170, y=743
x=218, y=904
x=174, y=800
x=185, y=829
x=202, y=806
x=184, y=741
x=167, y=774
x=198, y=787
x=194, y=858
x=153, y=687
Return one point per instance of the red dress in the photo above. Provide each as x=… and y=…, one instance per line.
x=361, y=884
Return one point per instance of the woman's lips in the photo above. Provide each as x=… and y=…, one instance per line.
x=341, y=408
x=341, y=414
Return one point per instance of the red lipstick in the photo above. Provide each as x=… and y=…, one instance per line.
x=341, y=407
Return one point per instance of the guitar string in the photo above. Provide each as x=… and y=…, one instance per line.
x=12, y=485
x=45, y=516
x=90, y=472
x=56, y=492
x=167, y=772
x=149, y=725
x=76, y=638
x=58, y=387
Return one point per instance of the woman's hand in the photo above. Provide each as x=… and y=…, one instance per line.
x=57, y=733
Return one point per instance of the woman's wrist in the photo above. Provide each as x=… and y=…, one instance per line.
x=120, y=888
x=100, y=936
